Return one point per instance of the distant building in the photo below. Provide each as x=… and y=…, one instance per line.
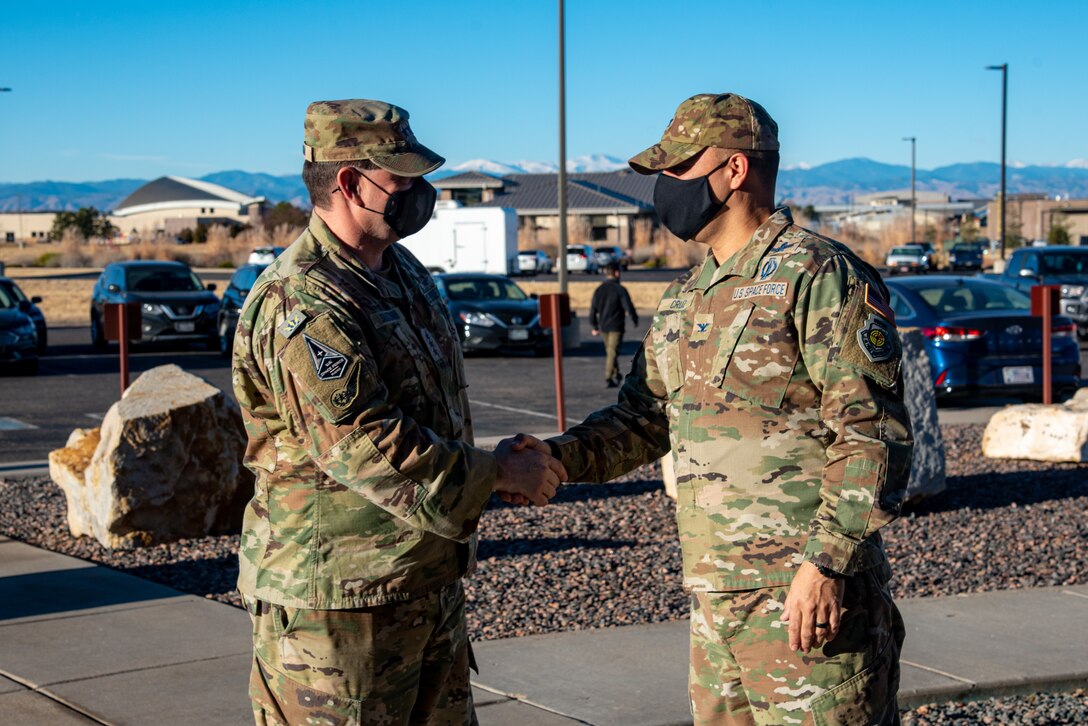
x=170, y=204
x=606, y=205
x=26, y=226
x=1033, y=215
x=877, y=211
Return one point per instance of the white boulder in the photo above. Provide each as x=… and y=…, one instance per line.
x=166, y=464
x=1041, y=432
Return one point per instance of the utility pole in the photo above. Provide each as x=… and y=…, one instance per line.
x=1004, y=68
x=561, y=255
x=913, y=205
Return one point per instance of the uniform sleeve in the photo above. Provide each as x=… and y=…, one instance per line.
x=630, y=306
x=621, y=437
x=333, y=400
x=851, y=348
x=595, y=309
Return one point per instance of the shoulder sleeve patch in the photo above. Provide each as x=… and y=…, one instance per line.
x=330, y=375
x=866, y=341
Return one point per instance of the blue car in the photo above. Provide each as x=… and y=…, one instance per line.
x=981, y=336
x=231, y=305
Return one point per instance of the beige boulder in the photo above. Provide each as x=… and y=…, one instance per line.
x=166, y=464
x=1040, y=432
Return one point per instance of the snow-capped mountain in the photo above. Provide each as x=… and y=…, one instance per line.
x=578, y=165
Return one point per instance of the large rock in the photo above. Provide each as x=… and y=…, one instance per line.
x=166, y=464
x=927, y=475
x=1055, y=432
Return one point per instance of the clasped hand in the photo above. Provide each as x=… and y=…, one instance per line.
x=528, y=473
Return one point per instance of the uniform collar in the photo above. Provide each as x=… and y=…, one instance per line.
x=342, y=257
x=745, y=261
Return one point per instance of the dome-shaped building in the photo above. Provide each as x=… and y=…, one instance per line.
x=170, y=204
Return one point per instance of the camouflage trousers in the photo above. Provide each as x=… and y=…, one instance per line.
x=743, y=671
x=400, y=663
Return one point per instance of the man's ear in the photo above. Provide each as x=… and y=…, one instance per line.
x=347, y=178
x=739, y=166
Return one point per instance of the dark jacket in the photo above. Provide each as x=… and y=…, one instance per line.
x=606, y=312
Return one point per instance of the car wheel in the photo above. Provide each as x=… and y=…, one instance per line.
x=27, y=368
x=43, y=342
x=98, y=336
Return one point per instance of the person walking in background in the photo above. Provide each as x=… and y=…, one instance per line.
x=607, y=314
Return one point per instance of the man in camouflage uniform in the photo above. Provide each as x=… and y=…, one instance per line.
x=349, y=373
x=772, y=373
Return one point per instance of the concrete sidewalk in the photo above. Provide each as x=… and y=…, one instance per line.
x=81, y=644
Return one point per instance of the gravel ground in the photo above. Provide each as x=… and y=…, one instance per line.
x=606, y=555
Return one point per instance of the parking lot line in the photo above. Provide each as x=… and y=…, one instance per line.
x=511, y=409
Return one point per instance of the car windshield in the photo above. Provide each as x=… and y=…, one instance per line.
x=12, y=289
x=245, y=277
x=6, y=299
x=972, y=296
x=964, y=248
x=161, y=279
x=484, y=288
x=907, y=251
x=1065, y=263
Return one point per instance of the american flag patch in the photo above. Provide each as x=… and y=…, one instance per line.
x=876, y=303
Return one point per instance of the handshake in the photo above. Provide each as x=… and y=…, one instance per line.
x=528, y=473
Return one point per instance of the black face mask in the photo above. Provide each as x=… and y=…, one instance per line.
x=685, y=206
x=407, y=211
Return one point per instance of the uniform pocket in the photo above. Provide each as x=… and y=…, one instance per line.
x=666, y=347
x=287, y=701
x=761, y=363
x=855, y=702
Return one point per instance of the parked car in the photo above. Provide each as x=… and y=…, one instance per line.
x=175, y=304
x=930, y=253
x=231, y=305
x=612, y=254
x=981, y=336
x=1056, y=265
x=264, y=255
x=965, y=256
x=580, y=258
x=534, y=262
x=18, y=337
x=907, y=258
x=491, y=313
x=29, y=306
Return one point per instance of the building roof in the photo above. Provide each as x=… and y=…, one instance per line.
x=623, y=192
x=171, y=192
x=469, y=180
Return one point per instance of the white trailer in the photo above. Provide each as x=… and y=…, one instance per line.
x=468, y=239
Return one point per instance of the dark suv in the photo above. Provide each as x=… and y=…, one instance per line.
x=174, y=304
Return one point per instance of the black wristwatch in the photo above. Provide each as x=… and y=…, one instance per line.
x=828, y=572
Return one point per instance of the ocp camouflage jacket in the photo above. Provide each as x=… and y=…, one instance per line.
x=774, y=378
x=352, y=390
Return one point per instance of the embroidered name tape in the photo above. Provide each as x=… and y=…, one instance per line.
x=763, y=289
x=674, y=303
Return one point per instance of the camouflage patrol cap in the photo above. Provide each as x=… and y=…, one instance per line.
x=724, y=120
x=358, y=129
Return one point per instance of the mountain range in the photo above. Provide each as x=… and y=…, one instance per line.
x=836, y=182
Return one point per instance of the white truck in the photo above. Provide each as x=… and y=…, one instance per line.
x=468, y=239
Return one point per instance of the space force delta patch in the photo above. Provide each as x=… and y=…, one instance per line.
x=763, y=289
x=877, y=339
x=329, y=364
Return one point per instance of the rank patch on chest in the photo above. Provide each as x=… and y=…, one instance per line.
x=763, y=289
x=329, y=364
x=432, y=347
x=701, y=329
x=877, y=340
x=292, y=324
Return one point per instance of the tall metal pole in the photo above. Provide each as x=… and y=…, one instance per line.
x=913, y=205
x=562, y=254
x=1004, y=68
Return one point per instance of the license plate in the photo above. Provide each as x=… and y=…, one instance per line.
x=185, y=327
x=519, y=334
x=1018, y=374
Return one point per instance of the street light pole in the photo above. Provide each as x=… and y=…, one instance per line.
x=913, y=206
x=561, y=255
x=1004, y=68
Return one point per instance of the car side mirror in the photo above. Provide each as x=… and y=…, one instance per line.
x=533, y=296
x=114, y=288
x=211, y=287
x=36, y=299
x=1027, y=273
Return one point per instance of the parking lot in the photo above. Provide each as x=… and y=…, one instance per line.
x=75, y=387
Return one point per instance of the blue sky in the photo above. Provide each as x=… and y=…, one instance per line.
x=109, y=89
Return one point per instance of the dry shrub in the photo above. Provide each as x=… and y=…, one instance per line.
x=73, y=249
